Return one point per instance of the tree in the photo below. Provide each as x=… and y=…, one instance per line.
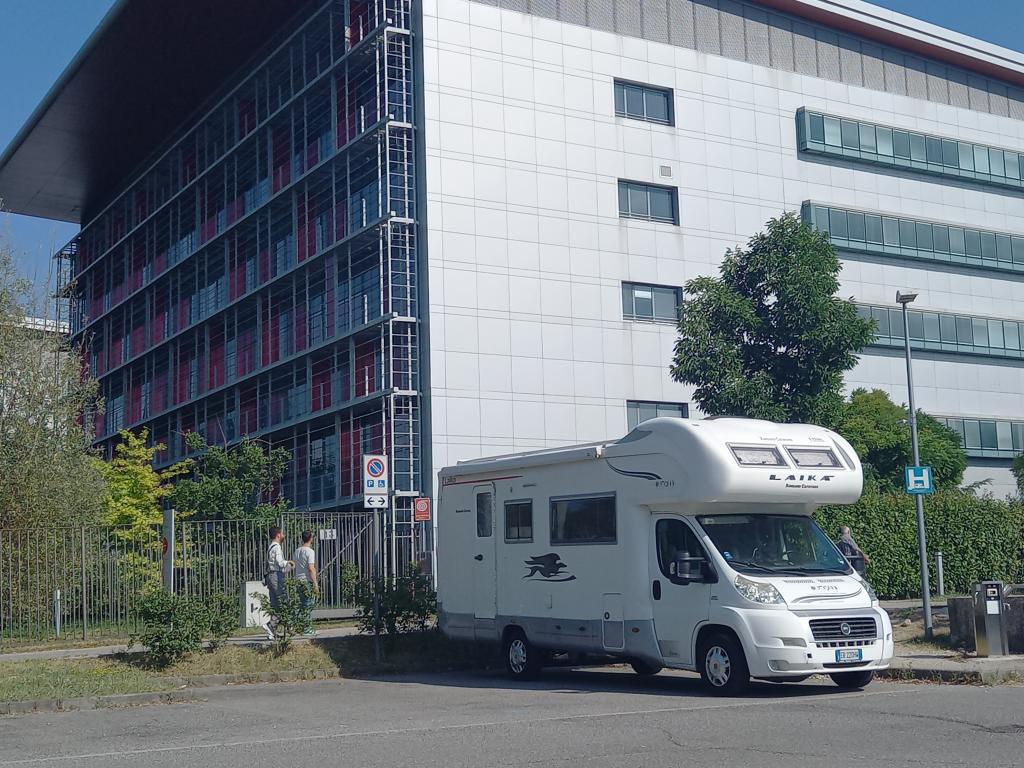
x=236, y=483
x=768, y=338
x=878, y=430
x=135, y=491
x=47, y=474
x=1017, y=468
x=134, y=504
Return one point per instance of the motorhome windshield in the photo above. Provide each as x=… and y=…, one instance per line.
x=790, y=544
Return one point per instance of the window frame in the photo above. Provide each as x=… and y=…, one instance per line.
x=628, y=185
x=684, y=407
x=654, y=317
x=645, y=89
x=505, y=509
x=598, y=542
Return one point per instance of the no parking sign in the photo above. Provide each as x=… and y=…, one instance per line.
x=375, y=482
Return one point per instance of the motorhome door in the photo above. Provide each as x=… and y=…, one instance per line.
x=485, y=598
x=680, y=589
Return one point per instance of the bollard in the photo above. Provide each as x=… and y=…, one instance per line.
x=939, y=575
x=56, y=611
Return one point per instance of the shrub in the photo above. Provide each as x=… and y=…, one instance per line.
x=172, y=626
x=289, y=618
x=222, y=612
x=980, y=538
x=406, y=604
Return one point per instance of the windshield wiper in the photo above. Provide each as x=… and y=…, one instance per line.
x=745, y=564
x=803, y=569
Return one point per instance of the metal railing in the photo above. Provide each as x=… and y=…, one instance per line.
x=82, y=583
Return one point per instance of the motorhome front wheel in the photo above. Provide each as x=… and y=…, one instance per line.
x=852, y=679
x=723, y=667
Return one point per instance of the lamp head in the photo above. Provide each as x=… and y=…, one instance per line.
x=905, y=297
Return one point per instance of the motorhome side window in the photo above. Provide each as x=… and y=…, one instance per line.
x=679, y=552
x=484, y=514
x=519, y=521
x=814, y=458
x=757, y=456
x=583, y=520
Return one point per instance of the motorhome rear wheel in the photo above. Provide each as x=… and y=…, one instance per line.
x=523, y=660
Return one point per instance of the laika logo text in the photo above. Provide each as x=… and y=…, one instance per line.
x=547, y=567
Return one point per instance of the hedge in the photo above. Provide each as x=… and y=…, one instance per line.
x=980, y=538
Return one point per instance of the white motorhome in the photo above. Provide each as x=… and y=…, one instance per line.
x=686, y=544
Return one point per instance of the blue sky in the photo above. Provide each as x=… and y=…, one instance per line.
x=39, y=37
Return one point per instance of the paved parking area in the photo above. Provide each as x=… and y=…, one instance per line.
x=588, y=717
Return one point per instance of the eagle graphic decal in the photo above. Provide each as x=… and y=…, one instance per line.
x=547, y=567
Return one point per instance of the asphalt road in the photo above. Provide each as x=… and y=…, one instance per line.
x=596, y=718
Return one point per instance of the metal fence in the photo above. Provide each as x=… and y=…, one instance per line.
x=83, y=582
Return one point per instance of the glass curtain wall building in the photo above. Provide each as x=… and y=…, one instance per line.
x=259, y=277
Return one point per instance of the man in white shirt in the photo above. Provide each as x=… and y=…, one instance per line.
x=277, y=567
x=305, y=572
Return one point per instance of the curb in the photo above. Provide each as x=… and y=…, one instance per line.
x=186, y=693
x=952, y=676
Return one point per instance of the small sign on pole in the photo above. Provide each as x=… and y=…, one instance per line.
x=375, y=482
x=919, y=480
x=421, y=510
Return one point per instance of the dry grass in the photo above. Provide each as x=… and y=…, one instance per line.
x=346, y=656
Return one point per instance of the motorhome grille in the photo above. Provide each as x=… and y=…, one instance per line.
x=845, y=643
x=832, y=629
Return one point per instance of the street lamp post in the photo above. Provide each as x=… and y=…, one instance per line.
x=904, y=298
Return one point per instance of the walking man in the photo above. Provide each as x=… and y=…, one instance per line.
x=858, y=557
x=305, y=572
x=277, y=567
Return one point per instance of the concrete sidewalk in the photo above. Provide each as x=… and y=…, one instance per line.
x=96, y=651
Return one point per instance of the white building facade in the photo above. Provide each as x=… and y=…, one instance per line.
x=584, y=160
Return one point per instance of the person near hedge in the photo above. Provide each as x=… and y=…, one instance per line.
x=305, y=572
x=277, y=568
x=848, y=547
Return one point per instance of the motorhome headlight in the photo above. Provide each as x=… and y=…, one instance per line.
x=756, y=592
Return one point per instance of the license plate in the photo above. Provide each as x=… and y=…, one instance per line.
x=849, y=654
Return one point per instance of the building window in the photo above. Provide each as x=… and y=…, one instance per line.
x=650, y=302
x=944, y=332
x=875, y=233
x=643, y=102
x=988, y=438
x=897, y=148
x=647, y=201
x=639, y=411
x=519, y=521
x=583, y=520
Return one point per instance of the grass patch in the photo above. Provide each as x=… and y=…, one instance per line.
x=72, y=678
x=346, y=656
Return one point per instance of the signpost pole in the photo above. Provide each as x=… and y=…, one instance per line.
x=376, y=493
x=922, y=545
x=167, y=545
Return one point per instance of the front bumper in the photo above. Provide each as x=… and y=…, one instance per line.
x=779, y=643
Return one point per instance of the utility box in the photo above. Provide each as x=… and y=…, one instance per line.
x=252, y=610
x=990, y=620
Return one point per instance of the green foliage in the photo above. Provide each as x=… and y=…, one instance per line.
x=1018, y=473
x=291, y=617
x=406, y=604
x=768, y=338
x=172, y=626
x=980, y=538
x=133, y=503
x=236, y=483
x=222, y=616
x=876, y=427
x=349, y=578
x=47, y=474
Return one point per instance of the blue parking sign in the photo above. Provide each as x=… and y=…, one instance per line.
x=919, y=480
